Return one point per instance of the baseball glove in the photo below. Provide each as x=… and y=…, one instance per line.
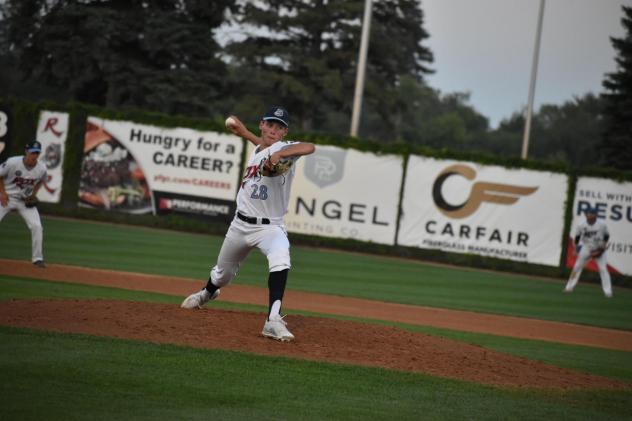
x=30, y=202
x=597, y=252
x=275, y=170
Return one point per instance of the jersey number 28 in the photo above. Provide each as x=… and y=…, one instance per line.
x=259, y=192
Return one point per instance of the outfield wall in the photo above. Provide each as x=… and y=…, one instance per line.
x=467, y=210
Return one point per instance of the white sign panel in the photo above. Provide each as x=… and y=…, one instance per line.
x=138, y=168
x=345, y=193
x=613, y=201
x=463, y=207
x=52, y=131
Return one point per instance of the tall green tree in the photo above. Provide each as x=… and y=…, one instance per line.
x=429, y=118
x=155, y=54
x=617, y=140
x=506, y=140
x=304, y=54
x=569, y=132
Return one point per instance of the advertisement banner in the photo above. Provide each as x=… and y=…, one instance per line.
x=136, y=168
x=52, y=131
x=463, y=207
x=613, y=202
x=5, y=135
x=344, y=193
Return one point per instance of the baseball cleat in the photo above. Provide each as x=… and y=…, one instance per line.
x=39, y=264
x=198, y=299
x=275, y=328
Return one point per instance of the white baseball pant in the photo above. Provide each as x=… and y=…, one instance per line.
x=32, y=219
x=582, y=258
x=240, y=239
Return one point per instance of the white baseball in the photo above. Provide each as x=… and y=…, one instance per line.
x=230, y=123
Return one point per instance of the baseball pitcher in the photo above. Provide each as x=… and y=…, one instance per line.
x=20, y=179
x=262, y=202
x=591, y=239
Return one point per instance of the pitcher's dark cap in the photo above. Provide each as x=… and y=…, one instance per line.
x=33, y=146
x=277, y=114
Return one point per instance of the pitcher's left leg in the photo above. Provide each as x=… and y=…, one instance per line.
x=275, y=246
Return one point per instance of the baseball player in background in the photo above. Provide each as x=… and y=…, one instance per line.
x=591, y=239
x=262, y=202
x=20, y=179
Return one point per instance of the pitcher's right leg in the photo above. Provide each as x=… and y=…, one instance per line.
x=234, y=250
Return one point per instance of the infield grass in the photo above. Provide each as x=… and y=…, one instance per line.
x=145, y=250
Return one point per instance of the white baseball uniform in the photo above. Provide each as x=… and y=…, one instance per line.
x=261, y=204
x=19, y=183
x=592, y=237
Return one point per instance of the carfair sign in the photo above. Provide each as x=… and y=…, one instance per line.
x=344, y=193
x=52, y=131
x=137, y=168
x=463, y=207
x=613, y=202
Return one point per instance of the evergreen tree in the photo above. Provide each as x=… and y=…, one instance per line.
x=155, y=54
x=617, y=140
x=303, y=54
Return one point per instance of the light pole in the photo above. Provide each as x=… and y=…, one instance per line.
x=534, y=71
x=361, y=70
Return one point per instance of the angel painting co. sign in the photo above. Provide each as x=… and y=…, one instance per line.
x=333, y=197
x=492, y=211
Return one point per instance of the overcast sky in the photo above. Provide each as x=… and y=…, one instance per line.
x=485, y=47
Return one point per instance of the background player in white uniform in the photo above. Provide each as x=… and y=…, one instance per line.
x=20, y=178
x=261, y=204
x=591, y=239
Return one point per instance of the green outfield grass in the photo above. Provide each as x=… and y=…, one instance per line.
x=372, y=277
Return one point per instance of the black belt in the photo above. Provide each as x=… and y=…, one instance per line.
x=252, y=220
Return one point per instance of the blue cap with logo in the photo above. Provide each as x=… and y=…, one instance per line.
x=33, y=146
x=277, y=114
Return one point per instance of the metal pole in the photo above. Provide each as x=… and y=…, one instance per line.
x=361, y=71
x=534, y=71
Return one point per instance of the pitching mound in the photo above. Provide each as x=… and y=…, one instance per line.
x=317, y=339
